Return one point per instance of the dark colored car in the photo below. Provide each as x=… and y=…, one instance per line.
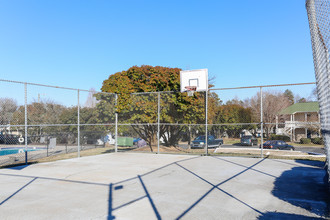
x=249, y=140
x=278, y=145
x=199, y=142
x=9, y=139
x=12, y=139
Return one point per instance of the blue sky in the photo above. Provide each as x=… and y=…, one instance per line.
x=80, y=43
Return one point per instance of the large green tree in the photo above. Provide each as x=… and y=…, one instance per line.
x=235, y=116
x=137, y=105
x=289, y=95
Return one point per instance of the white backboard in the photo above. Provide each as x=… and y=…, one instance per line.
x=198, y=78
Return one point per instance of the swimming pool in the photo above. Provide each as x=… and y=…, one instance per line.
x=7, y=151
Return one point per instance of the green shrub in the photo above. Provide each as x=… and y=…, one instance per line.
x=279, y=137
x=305, y=141
x=318, y=140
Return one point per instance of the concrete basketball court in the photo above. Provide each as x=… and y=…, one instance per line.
x=150, y=186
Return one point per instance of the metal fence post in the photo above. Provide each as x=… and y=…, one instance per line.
x=78, y=121
x=158, y=120
x=26, y=122
x=261, y=124
x=206, y=130
x=116, y=125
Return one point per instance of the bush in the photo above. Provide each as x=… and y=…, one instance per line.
x=305, y=141
x=279, y=137
x=318, y=140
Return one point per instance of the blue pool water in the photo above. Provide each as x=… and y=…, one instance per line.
x=7, y=151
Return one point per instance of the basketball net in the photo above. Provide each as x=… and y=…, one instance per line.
x=191, y=90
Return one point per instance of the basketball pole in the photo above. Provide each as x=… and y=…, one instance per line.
x=25, y=122
x=116, y=125
x=206, y=131
x=197, y=80
x=78, y=121
x=261, y=125
x=158, y=121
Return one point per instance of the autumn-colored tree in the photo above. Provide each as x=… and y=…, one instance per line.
x=142, y=108
x=39, y=113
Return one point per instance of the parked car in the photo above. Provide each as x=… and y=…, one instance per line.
x=136, y=140
x=139, y=142
x=249, y=140
x=9, y=139
x=199, y=142
x=276, y=144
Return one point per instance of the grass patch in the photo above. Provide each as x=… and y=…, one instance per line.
x=232, y=141
x=295, y=144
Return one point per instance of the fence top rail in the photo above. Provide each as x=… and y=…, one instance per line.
x=252, y=87
x=137, y=93
x=245, y=87
x=50, y=86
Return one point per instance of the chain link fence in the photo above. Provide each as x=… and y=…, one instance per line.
x=40, y=121
x=319, y=22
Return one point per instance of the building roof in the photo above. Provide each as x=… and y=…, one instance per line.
x=301, y=107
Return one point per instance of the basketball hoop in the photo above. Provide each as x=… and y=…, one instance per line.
x=190, y=90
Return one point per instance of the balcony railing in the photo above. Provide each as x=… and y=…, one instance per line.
x=301, y=124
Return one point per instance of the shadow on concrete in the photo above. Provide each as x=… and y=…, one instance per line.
x=108, y=151
x=118, y=186
x=149, y=198
x=218, y=188
x=228, y=161
x=284, y=216
x=12, y=195
x=110, y=208
x=194, y=203
x=287, y=162
x=300, y=186
x=304, y=187
x=20, y=167
x=319, y=164
x=112, y=186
